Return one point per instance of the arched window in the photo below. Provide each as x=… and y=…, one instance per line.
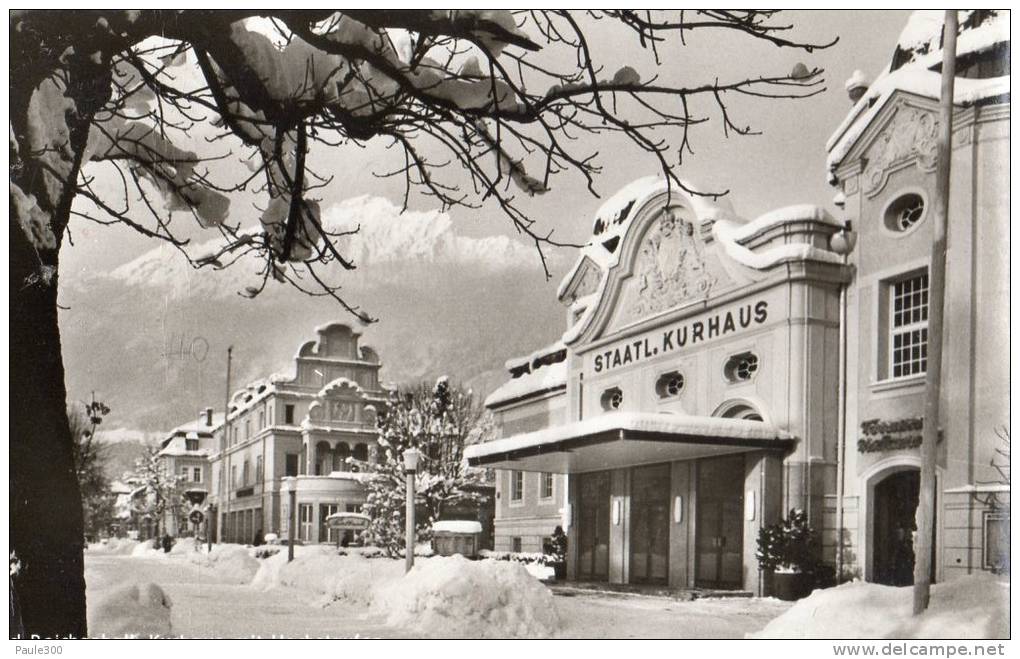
x=360, y=452
x=323, y=459
x=741, y=411
x=340, y=455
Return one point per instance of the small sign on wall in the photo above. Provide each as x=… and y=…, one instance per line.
x=749, y=506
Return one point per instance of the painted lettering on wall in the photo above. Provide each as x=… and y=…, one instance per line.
x=895, y=435
x=681, y=336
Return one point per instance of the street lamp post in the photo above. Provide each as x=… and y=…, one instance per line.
x=290, y=485
x=209, y=517
x=411, y=457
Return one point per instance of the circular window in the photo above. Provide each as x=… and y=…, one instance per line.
x=904, y=212
x=740, y=368
x=669, y=385
x=612, y=399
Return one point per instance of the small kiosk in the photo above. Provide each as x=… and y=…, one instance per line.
x=451, y=537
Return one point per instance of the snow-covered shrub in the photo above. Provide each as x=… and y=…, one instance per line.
x=134, y=609
x=525, y=557
x=787, y=545
x=146, y=548
x=452, y=596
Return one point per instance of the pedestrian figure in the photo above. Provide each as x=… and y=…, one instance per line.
x=258, y=539
x=168, y=542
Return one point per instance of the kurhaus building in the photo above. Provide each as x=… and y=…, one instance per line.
x=717, y=372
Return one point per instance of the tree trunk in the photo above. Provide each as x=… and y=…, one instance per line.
x=50, y=120
x=46, y=514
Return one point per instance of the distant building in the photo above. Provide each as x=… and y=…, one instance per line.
x=185, y=452
x=317, y=425
x=307, y=426
x=716, y=372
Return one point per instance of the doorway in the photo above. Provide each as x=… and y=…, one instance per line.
x=593, y=529
x=895, y=506
x=649, y=534
x=719, y=525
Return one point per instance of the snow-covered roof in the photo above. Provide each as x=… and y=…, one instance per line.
x=732, y=236
x=546, y=378
x=918, y=52
x=641, y=422
x=613, y=221
x=457, y=526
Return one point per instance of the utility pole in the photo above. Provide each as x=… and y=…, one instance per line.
x=224, y=484
x=936, y=304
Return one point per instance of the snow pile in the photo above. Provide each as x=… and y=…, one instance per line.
x=476, y=599
x=113, y=547
x=137, y=609
x=232, y=563
x=451, y=596
x=973, y=607
x=147, y=549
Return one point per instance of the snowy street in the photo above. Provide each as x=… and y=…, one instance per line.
x=210, y=603
x=205, y=606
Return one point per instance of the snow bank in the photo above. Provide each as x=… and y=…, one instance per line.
x=146, y=549
x=476, y=599
x=113, y=547
x=137, y=609
x=972, y=607
x=448, y=596
x=233, y=563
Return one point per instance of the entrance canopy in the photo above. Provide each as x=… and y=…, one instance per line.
x=622, y=439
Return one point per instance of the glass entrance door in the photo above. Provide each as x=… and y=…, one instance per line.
x=649, y=515
x=719, y=527
x=593, y=526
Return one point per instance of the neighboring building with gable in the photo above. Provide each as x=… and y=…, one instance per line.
x=882, y=158
x=185, y=453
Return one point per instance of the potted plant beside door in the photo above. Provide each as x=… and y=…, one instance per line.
x=786, y=553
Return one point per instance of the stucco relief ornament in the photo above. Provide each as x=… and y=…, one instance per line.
x=341, y=410
x=671, y=266
x=911, y=135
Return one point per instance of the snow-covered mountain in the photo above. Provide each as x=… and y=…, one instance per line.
x=150, y=336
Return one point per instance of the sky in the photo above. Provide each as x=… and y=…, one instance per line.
x=783, y=165
x=452, y=302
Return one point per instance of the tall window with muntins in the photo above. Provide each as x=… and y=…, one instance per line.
x=669, y=385
x=305, y=513
x=908, y=338
x=546, y=486
x=904, y=212
x=288, y=414
x=196, y=474
x=517, y=486
x=190, y=444
x=612, y=399
x=742, y=367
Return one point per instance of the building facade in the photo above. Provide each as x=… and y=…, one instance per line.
x=317, y=426
x=716, y=373
x=882, y=159
x=185, y=453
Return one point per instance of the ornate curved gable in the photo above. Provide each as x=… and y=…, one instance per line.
x=666, y=260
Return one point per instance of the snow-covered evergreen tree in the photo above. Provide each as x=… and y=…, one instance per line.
x=439, y=420
x=163, y=491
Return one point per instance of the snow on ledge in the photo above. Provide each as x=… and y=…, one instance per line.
x=542, y=379
x=457, y=526
x=730, y=235
x=678, y=424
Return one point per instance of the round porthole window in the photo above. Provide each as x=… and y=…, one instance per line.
x=612, y=399
x=740, y=368
x=669, y=385
x=905, y=212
